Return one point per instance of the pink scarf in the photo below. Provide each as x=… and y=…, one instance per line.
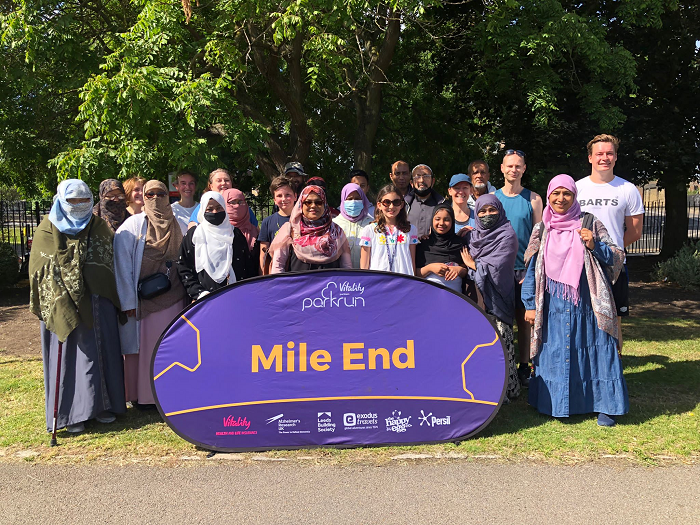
x=564, y=250
x=239, y=216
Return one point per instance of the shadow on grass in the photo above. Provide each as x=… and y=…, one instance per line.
x=648, y=329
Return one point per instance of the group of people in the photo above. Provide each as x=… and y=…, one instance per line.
x=107, y=279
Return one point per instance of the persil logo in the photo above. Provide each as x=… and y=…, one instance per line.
x=432, y=421
x=344, y=295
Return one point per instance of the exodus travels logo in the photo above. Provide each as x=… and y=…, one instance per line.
x=286, y=425
x=333, y=295
x=432, y=421
x=357, y=421
x=396, y=423
x=242, y=424
x=325, y=422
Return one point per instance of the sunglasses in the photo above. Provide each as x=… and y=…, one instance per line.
x=308, y=203
x=159, y=194
x=115, y=197
x=396, y=203
x=517, y=152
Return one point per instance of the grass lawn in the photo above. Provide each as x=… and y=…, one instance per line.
x=662, y=368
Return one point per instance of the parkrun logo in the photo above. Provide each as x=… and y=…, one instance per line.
x=345, y=295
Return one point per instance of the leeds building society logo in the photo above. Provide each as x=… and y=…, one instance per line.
x=325, y=422
x=334, y=295
x=396, y=423
x=432, y=421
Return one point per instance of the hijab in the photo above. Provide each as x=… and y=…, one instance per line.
x=239, y=216
x=71, y=218
x=495, y=248
x=114, y=212
x=213, y=245
x=563, y=250
x=314, y=242
x=347, y=190
x=441, y=248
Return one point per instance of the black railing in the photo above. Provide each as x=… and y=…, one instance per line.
x=652, y=238
x=18, y=220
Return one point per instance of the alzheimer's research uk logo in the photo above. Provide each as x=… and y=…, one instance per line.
x=334, y=295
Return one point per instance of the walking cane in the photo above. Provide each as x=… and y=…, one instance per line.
x=55, y=402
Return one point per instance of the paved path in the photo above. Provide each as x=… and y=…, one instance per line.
x=421, y=492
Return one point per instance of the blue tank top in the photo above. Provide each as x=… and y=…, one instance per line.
x=519, y=213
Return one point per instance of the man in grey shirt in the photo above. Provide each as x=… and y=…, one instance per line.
x=422, y=198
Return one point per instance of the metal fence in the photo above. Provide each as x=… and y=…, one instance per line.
x=18, y=220
x=651, y=241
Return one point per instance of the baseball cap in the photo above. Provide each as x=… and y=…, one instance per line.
x=294, y=167
x=460, y=177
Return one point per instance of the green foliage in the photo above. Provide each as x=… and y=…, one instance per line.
x=9, y=265
x=683, y=268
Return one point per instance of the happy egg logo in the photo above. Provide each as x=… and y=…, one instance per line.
x=347, y=295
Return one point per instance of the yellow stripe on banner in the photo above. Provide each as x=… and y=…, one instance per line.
x=464, y=377
x=264, y=402
x=199, y=353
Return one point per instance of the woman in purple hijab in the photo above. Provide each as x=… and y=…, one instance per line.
x=571, y=261
x=354, y=215
x=491, y=261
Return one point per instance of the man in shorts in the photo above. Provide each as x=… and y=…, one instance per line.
x=616, y=203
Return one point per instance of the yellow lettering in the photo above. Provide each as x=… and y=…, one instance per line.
x=290, y=360
x=348, y=356
x=259, y=358
x=302, y=357
x=318, y=360
x=373, y=353
x=408, y=352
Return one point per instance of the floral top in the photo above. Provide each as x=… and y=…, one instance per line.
x=390, y=250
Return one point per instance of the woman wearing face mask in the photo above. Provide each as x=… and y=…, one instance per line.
x=215, y=253
x=491, y=260
x=145, y=245
x=354, y=215
x=112, y=205
x=73, y=293
x=570, y=261
x=310, y=240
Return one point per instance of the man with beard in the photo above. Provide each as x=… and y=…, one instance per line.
x=478, y=170
x=422, y=199
x=401, y=176
x=294, y=171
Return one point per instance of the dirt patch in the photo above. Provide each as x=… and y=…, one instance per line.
x=19, y=328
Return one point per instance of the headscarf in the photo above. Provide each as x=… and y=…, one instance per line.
x=563, y=249
x=71, y=218
x=239, y=216
x=347, y=190
x=314, y=242
x=114, y=212
x=163, y=240
x=495, y=248
x=213, y=245
x=441, y=248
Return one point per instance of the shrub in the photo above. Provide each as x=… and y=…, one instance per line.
x=683, y=268
x=9, y=265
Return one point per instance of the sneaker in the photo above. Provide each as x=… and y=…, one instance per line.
x=605, y=420
x=105, y=417
x=75, y=429
x=524, y=374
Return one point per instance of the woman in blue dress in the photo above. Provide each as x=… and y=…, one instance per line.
x=571, y=261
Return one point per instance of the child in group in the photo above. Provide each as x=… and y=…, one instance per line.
x=439, y=257
x=389, y=243
x=284, y=197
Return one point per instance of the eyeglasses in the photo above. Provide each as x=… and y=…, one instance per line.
x=396, y=203
x=115, y=197
x=159, y=194
x=422, y=177
x=309, y=202
x=517, y=152
x=240, y=202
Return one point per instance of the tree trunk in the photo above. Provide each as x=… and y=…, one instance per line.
x=676, y=227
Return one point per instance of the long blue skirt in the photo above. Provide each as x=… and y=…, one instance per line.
x=578, y=370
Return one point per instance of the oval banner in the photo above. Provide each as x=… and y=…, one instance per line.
x=329, y=358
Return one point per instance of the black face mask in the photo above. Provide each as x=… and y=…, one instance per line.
x=214, y=218
x=422, y=193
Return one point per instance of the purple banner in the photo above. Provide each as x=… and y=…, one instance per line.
x=333, y=357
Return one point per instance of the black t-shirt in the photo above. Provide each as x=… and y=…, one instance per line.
x=270, y=226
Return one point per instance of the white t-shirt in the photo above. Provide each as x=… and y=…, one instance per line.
x=387, y=247
x=610, y=202
x=182, y=215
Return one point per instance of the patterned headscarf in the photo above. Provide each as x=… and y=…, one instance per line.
x=71, y=218
x=114, y=212
x=239, y=216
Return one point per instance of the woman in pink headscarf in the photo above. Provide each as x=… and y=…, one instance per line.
x=571, y=261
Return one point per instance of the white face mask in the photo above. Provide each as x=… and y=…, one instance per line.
x=79, y=210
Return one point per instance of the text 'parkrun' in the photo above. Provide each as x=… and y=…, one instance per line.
x=355, y=357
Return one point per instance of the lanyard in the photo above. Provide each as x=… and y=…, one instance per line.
x=391, y=256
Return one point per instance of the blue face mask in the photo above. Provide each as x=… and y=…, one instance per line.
x=353, y=208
